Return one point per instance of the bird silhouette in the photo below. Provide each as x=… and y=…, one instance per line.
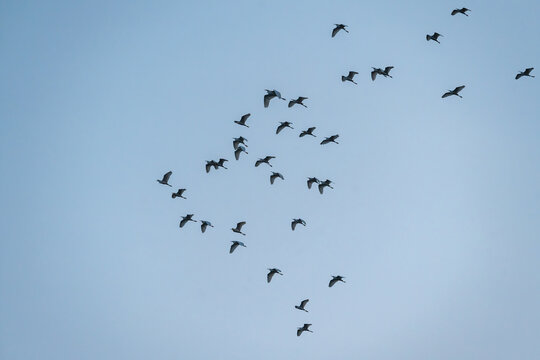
x=434, y=37
x=379, y=71
x=221, y=162
x=454, y=92
x=283, y=125
x=205, y=224
x=460, y=11
x=243, y=120
x=238, y=228
x=325, y=183
x=185, y=219
x=338, y=28
x=234, y=245
x=335, y=279
x=274, y=176
x=165, y=180
x=179, y=193
x=302, y=305
x=309, y=131
x=239, y=140
x=271, y=274
x=265, y=160
x=349, y=77
x=330, y=139
x=527, y=72
x=298, y=101
x=270, y=94
x=239, y=150
x=210, y=164
x=296, y=222
x=312, y=180
x=302, y=329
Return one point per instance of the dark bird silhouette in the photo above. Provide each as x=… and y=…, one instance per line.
x=527, y=72
x=238, y=228
x=325, y=183
x=205, y=224
x=271, y=274
x=433, y=37
x=266, y=160
x=179, y=193
x=309, y=131
x=221, y=163
x=460, y=11
x=349, y=77
x=312, y=180
x=234, y=245
x=379, y=71
x=270, y=94
x=335, y=279
x=296, y=222
x=165, y=180
x=274, y=176
x=243, y=120
x=239, y=140
x=454, y=92
x=302, y=305
x=298, y=101
x=185, y=219
x=338, y=28
x=283, y=125
x=210, y=164
x=302, y=329
x=239, y=150
x=330, y=139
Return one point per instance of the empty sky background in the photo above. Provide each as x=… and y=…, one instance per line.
x=434, y=218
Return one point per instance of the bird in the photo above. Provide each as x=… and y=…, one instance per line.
x=221, y=162
x=312, y=180
x=274, y=176
x=179, y=193
x=238, y=228
x=309, y=131
x=238, y=151
x=239, y=140
x=527, y=72
x=271, y=274
x=335, y=279
x=266, y=160
x=210, y=164
x=460, y=11
x=185, y=219
x=454, y=92
x=296, y=222
x=433, y=37
x=243, y=120
x=205, y=224
x=234, y=245
x=330, y=139
x=270, y=94
x=339, y=27
x=283, y=125
x=302, y=329
x=302, y=305
x=165, y=180
x=298, y=101
x=349, y=77
x=379, y=71
x=325, y=183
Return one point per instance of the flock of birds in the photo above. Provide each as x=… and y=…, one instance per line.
x=239, y=146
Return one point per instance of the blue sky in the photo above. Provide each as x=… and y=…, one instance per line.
x=434, y=218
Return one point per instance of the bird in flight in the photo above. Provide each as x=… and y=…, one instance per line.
x=335, y=279
x=266, y=161
x=283, y=125
x=433, y=37
x=274, y=176
x=379, y=71
x=271, y=274
x=330, y=139
x=239, y=150
x=238, y=228
x=298, y=101
x=325, y=183
x=179, y=193
x=460, y=11
x=185, y=219
x=312, y=180
x=302, y=329
x=243, y=120
x=210, y=164
x=165, y=180
x=309, y=131
x=338, y=28
x=527, y=72
x=270, y=94
x=239, y=140
x=454, y=92
x=205, y=224
x=221, y=162
x=234, y=245
x=296, y=222
x=349, y=77
x=302, y=305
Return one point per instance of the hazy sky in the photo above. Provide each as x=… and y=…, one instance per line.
x=434, y=219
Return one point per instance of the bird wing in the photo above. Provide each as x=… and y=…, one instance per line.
x=208, y=166
x=292, y=102
x=203, y=227
x=373, y=75
x=454, y=12
x=244, y=118
x=332, y=282
x=325, y=141
x=446, y=94
x=258, y=162
x=519, y=75
x=239, y=225
x=280, y=127
x=528, y=71
x=321, y=188
x=233, y=246
x=267, y=99
x=387, y=69
x=272, y=178
x=301, y=98
x=304, y=303
x=303, y=133
x=459, y=88
x=235, y=144
x=269, y=276
x=299, y=331
x=237, y=153
x=311, y=129
x=309, y=183
x=268, y=158
x=351, y=74
x=335, y=31
x=167, y=176
x=293, y=225
x=183, y=222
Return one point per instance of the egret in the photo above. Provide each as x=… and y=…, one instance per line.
x=302, y=329
x=271, y=274
x=309, y=131
x=335, y=279
x=205, y=224
x=238, y=228
x=527, y=72
x=330, y=139
x=238, y=151
x=274, y=176
x=283, y=125
x=270, y=94
x=179, y=193
x=460, y=11
x=338, y=28
x=266, y=160
x=296, y=222
x=379, y=71
x=325, y=183
x=298, y=101
x=165, y=180
x=312, y=180
x=243, y=120
x=454, y=92
x=234, y=245
x=185, y=219
x=239, y=140
x=349, y=77
x=433, y=37
x=302, y=305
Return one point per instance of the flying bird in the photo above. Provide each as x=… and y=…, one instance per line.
x=338, y=28
x=205, y=224
x=325, y=183
x=298, y=101
x=302, y=305
x=283, y=125
x=238, y=228
x=266, y=160
x=274, y=176
x=460, y=11
x=335, y=279
x=179, y=193
x=527, y=72
x=433, y=37
x=454, y=92
x=312, y=180
x=165, y=180
x=302, y=329
x=271, y=274
x=185, y=219
x=239, y=140
x=234, y=245
x=221, y=163
x=243, y=120
x=349, y=77
x=238, y=151
x=210, y=164
x=309, y=131
x=330, y=139
x=296, y=222
x=270, y=94
x=379, y=71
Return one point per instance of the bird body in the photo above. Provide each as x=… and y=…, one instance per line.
x=302, y=305
x=433, y=37
x=460, y=11
x=185, y=219
x=349, y=77
x=238, y=228
x=243, y=120
x=338, y=28
x=265, y=160
x=179, y=193
x=330, y=139
x=165, y=179
x=296, y=222
x=298, y=101
x=234, y=245
x=271, y=274
x=454, y=92
x=309, y=131
x=283, y=125
x=302, y=329
x=205, y=224
x=335, y=279
x=527, y=72
x=270, y=94
x=274, y=176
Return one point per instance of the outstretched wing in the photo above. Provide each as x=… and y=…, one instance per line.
x=332, y=282
x=279, y=128
x=244, y=118
x=303, y=303
x=335, y=31
x=293, y=225
x=351, y=74
x=269, y=276
x=446, y=94
x=267, y=99
x=321, y=188
x=183, y=222
x=167, y=176
x=528, y=71
x=233, y=246
x=455, y=11
x=240, y=224
x=387, y=69
x=292, y=102
x=272, y=178
x=373, y=75
x=203, y=227
x=459, y=88
x=237, y=153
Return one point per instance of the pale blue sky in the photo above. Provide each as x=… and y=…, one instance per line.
x=434, y=218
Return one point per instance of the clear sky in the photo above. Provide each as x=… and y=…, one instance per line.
x=434, y=219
